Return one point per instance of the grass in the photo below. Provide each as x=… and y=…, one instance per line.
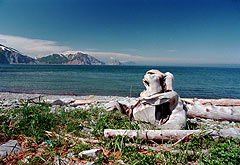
x=29, y=124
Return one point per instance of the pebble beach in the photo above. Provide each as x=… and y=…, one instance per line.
x=15, y=100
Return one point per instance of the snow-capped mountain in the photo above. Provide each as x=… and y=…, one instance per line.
x=12, y=56
x=70, y=59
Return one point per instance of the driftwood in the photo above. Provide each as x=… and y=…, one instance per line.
x=217, y=102
x=168, y=148
x=170, y=135
x=157, y=135
x=158, y=104
x=209, y=111
x=83, y=102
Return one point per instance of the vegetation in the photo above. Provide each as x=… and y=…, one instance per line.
x=31, y=126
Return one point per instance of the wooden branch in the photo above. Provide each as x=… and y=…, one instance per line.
x=182, y=139
x=157, y=135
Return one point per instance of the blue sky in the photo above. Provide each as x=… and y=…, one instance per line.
x=146, y=31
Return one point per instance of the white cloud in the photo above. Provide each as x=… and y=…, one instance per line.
x=32, y=47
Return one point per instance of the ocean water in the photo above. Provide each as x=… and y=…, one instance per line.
x=200, y=82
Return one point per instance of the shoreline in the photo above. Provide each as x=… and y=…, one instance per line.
x=22, y=95
x=13, y=95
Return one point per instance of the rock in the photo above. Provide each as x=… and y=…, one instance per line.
x=26, y=160
x=60, y=161
x=94, y=153
x=68, y=100
x=70, y=155
x=225, y=122
x=58, y=102
x=66, y=109
x=7, y=103
x=87, y=129
x=52, y=110
x=112, y=105
x=231, y=132
x=10, y=147
x=91, y=163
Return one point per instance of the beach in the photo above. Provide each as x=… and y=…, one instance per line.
x=15, y=100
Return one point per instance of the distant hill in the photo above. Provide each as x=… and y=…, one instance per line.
x=53, y=59
x=12, y=56
x=70, y=59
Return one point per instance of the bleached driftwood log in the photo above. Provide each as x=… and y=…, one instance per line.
x=209, y=111
x=169, y=135
x=158, y=104
x=157, y=135
x=216, y=102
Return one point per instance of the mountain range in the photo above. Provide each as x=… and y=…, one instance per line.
x=70, y=59
x=12, y=56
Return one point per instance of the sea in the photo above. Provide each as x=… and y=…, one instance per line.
x=189, y=82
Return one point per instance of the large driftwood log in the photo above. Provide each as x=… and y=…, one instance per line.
x=217, y=102
x=209, y=111
x=157, y=135
x=169, y=135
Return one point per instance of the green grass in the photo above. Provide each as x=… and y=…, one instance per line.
x=29, y=124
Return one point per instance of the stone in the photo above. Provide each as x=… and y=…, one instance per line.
x=91, y=163
x=10, y=147
x=85, y=129
x=93, y=153
x=225, y=122
x=7, y=103
x=230, y=132
x=112, y=105
x=58, y=102
x=67, y=109
x=60, y=161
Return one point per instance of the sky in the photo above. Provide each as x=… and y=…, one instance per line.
x=148, y=32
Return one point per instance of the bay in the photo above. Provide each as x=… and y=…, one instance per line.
x=201, y=82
